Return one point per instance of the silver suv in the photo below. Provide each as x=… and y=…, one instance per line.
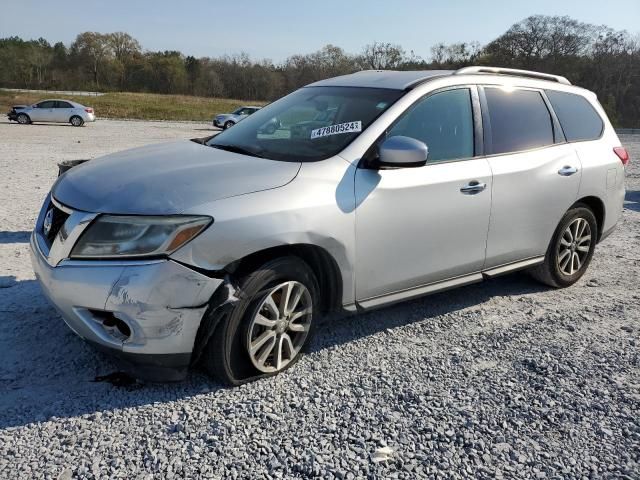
x=226, y=251
x=228, y=120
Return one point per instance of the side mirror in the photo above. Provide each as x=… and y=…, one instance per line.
x=402, y=151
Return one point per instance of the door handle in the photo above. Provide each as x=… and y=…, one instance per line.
x=567, y=171
x=473, y=187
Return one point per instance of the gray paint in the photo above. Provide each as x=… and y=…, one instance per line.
x=167, y=178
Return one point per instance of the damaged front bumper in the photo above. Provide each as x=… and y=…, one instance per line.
x=145, y=312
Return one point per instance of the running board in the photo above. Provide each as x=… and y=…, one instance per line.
x=512, y=267
x=403, y=295
x=395, y=297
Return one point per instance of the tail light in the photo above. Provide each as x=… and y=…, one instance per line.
x=622, y=154
x=88, y=110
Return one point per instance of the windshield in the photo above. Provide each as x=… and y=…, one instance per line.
x=310, y=124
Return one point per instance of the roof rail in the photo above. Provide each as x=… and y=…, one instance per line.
x=513, y=71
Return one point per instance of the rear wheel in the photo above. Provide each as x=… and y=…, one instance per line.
x=76, y=121
x=23, y=119
x=269, y=327
x=570, y=250
x=228, y=124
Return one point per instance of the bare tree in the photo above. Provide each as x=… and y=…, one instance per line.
x=382, y=56
x=123, y=45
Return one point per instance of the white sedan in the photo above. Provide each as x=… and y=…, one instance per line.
x=57, y=111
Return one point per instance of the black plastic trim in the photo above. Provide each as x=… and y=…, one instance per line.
x=157, y=367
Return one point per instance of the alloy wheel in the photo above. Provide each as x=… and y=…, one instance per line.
x=279, y=327
x=574, y=246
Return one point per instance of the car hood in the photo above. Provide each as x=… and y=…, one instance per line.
x=167, y=178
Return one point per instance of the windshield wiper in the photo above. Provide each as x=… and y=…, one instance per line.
x=236, y=149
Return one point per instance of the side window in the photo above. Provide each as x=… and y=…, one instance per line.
x=520, y=120
x=444, y=121
x=578, y=119
x=47, y=104
x=60, y=104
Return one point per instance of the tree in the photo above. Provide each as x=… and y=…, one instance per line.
x=192, y=66
x=122, y=45
x=382, y=56
x=94, y=48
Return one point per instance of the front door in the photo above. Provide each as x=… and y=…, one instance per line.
x=416, y=226
x=44, y=113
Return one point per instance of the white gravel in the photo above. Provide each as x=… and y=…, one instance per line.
x=501, y=379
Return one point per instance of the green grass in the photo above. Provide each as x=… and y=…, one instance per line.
x=143, y=106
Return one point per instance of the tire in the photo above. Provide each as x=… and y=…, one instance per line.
x=229, y=124
x=76, y=121
x=568, y=257
x=23, y=119
x=227, y=356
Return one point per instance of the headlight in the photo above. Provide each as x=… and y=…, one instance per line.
x=132, y=236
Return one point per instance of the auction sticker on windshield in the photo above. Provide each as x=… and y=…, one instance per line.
x=348, y=127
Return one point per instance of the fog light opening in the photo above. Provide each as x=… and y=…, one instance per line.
x=114, y=326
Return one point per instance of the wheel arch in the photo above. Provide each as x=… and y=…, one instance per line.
x=596, y=205
x=321, y=262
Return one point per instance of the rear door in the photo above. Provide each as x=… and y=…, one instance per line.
x=63, y=111
x=536, y=174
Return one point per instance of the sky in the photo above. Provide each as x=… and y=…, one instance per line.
x=278, y=28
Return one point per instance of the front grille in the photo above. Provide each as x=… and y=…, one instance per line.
x=56, y=221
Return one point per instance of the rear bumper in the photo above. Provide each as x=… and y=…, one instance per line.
x=161, y=302
x=89, y=117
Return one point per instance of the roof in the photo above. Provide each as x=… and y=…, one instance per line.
x=402, y=80
x=395, y=80
x=75, y=104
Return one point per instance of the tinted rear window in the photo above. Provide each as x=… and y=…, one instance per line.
x=519, y=120
x=578, y=118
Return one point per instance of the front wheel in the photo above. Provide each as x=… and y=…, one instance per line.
x=570, y=250
x=228, y=125
x=77, y=121
x=269, y=327
x=23, y=119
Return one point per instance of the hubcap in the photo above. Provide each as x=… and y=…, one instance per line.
x=280, y=326
x=574, y=246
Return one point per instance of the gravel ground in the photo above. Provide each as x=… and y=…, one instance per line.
x=500, y=379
